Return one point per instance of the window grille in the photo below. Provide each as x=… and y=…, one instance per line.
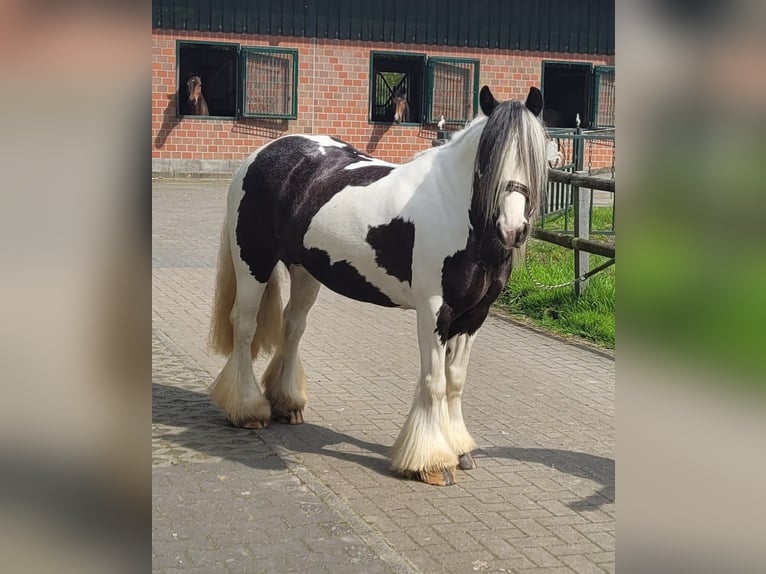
x=269, y=83
x=603, y=88
x=453, y=90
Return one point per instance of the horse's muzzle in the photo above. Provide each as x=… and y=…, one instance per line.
x=513, y=238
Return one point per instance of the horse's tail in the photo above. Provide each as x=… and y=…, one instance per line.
x=268, y=333
x=221, y=338
x=269, y=319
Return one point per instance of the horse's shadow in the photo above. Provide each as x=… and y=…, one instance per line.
x=580, y=464
x=378, y=131
x=206, y=430
x=169, y=120
x=261, y=127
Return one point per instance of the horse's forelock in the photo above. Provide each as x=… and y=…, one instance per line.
x=511, y=124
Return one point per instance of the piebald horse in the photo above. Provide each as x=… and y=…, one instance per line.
x=197, y=103
x=436, y=235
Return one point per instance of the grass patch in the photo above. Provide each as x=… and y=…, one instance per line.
x=590, y=316
x=601, y=220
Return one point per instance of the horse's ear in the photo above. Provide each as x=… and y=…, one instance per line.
x=487, y=101
x=534, y=101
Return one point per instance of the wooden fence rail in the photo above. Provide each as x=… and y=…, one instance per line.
x=581, y=180
x=587, y=245
x=582, y=189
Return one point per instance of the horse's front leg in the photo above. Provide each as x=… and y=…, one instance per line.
x=458, y=355
x=422, y=450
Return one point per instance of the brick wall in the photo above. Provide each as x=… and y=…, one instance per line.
x=333, y=93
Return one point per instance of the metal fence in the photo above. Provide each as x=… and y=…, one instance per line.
x=583, y=179
x=588, y=152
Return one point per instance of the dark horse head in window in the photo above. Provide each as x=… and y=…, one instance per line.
x=197, y=106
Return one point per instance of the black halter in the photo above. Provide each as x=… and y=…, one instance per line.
x=512, y=186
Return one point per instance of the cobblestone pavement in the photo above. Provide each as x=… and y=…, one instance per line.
x=319, y=496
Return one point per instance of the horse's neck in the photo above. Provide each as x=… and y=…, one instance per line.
x=457, y=160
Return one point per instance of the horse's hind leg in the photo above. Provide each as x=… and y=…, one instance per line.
x=458, y=354
x=284, y=380
x=256, y=322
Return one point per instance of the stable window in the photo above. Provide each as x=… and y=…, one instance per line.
x=603, y=90
x=453, y=90
x=250, y=82
x=392, y=74
x=434, y=87
x=270, y=80
x=578, y=89
x=216, y=66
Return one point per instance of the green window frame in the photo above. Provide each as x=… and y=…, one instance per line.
x=222, y=96
x=269, y=82
x=436, y=86
x=603, y=97
x=392, y=70
x=453, y=90
x=567, y=92
x=596, y=93
x=258, y=82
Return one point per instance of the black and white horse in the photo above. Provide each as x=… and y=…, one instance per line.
x=436, y=235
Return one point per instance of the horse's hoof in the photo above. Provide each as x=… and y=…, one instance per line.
x=466, y=462
x=294, y=417
x=444, y=477
x=253, y=424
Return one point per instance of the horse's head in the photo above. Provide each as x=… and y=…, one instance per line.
x=194, y=89
x=401, y=107
x=510, y=171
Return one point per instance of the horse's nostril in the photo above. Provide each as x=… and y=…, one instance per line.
x=525, y=229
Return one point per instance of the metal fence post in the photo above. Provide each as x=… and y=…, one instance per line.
x=581, y=204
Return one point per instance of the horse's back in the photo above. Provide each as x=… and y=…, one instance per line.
x=296, y=175
x=286, y=207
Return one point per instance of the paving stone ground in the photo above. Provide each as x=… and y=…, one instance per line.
x=319, y=497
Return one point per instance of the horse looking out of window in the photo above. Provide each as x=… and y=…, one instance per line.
x=197, y=103
x=401, y=107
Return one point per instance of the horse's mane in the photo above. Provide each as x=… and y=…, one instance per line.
x=456, y=137
x=510, y=125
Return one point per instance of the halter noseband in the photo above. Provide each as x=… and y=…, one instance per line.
x=512, y=186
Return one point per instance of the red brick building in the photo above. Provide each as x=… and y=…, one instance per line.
x=323, y=67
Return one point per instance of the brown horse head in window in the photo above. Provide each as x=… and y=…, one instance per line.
x=401, y=106
x=197, y=103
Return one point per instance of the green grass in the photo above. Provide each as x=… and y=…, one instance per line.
x=590, y=317
x=601, y=220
